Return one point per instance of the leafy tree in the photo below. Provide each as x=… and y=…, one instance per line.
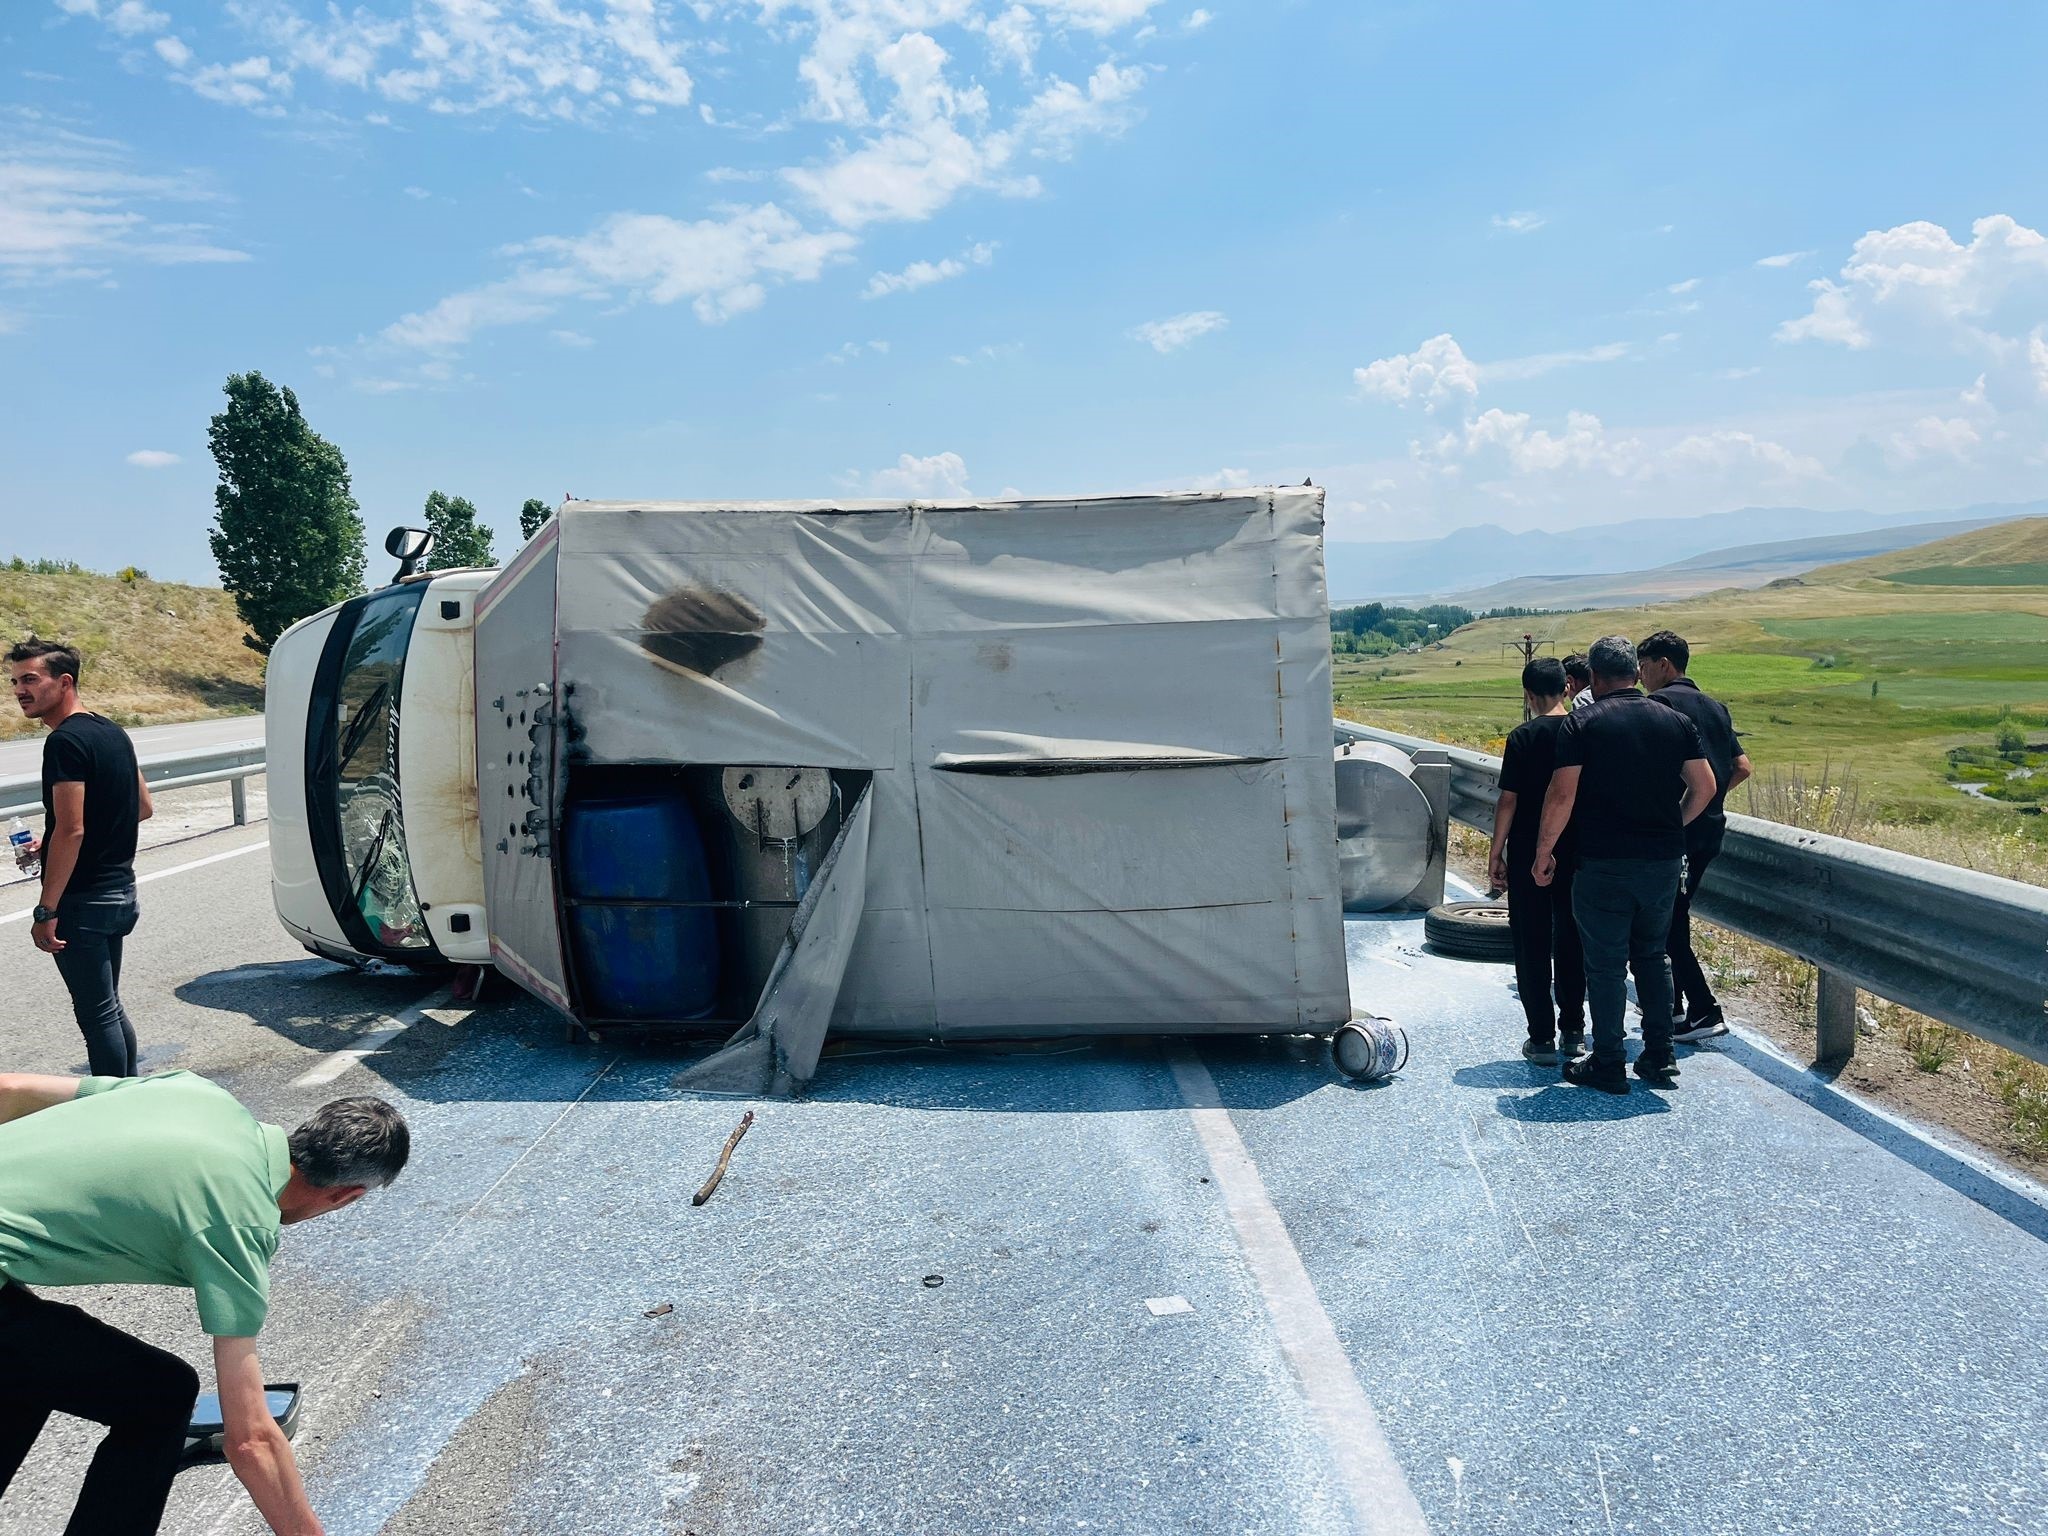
x=459, y=539
x=532, y=515
x=286, y=535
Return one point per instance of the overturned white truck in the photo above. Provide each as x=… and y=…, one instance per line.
x=883, y=769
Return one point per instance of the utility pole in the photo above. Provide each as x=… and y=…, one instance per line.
x=1524, y=650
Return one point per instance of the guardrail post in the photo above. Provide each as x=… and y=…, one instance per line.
x=239, y=790
x=1432, y=776
x=1835, y=1021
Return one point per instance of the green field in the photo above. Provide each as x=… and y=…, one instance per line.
x=2032, y=574
x=1874, y=681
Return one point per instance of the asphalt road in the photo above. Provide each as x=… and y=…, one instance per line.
x=24, y=755
x=918, y=1303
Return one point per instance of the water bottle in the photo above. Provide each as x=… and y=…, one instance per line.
x=18, y=839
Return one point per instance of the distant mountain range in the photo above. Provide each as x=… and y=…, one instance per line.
x=1643, y=560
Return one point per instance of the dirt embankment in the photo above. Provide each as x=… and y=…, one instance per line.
x=155, y=651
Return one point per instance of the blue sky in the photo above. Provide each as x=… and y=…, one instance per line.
x=1532, y=265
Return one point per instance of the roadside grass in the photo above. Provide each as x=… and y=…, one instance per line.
x=154, y=651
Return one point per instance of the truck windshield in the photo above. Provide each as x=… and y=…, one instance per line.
x=354, y=769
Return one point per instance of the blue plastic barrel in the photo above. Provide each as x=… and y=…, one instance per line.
x=655, y=963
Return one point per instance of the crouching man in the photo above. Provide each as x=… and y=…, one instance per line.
x=162, y=1180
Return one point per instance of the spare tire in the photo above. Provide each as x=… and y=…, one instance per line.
x=1470, y=930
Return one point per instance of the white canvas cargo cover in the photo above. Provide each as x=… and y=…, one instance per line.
x=1102, y=794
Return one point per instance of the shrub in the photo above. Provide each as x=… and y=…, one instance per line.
x=1931, y=1045
x=1826, y=803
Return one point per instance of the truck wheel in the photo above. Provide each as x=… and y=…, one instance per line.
x=1470, y=930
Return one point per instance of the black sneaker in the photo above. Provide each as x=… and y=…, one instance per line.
x=1570, y=1047
x=1701, y=1026
x=1658, y=1071
x=1543, y=1052
x=1590, y=1072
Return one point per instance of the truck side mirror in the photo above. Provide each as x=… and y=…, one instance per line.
x=408, y=546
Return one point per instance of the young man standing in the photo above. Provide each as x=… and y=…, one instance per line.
x=1664, y=657
x=161, y=1180
x=1641, y=770
x=1578, y=686
x=1540, y=922
x=93, y=801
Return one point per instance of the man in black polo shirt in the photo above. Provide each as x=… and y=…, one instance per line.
x=93, y=801
x=1664, y=657
x=1644, y=777
x=1540, y=922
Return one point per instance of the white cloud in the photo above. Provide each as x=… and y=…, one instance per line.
x=1507, y=447
x=1063, y=114
x=153, y=458
x=1198, y=19
x=1508, y=455
x=1013, y=38
x=571, y=339
x=1221, y=480
x=1732, y=374
x=722, y=266
x=1728, y=450
x=1436, y=373
x=922, y=274
x=1786, y=258
x=253, y=82
x=1833, y=318
x=418, y=194
x=924, y=133
x=1100, y=16
x=1917, y=283
x=993, y=352
x=1513, y=369
x=1177, y=331
x=1584, y=444
x=127, y=18
x=73, y=207
x=1524, y=223
x=575, y=60
x=1932, y=437
x=1685, y=287
x=940, y=477
x=853, y=351
x=902, y=177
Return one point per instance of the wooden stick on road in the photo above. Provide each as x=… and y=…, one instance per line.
x=724, y=1158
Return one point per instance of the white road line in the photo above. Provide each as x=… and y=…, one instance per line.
x=1382, y=1503
x=369, y=1045
x=165, y=874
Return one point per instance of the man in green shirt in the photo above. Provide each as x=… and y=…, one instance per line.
x=162, y=1180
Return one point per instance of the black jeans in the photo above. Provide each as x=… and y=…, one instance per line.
x=1691, y=994
x=1548, y=959
x=56, y=1358
x=1624, y=912
x=92, y=929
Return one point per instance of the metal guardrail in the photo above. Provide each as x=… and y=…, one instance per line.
x=233, y=765
x=1966, y=948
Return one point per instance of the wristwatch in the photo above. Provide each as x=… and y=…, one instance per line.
x=45, y=914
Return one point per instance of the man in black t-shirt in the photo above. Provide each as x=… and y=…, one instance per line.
x=1664, y=657
x=93, y=801
x=1643, y=775
x=1540, y=922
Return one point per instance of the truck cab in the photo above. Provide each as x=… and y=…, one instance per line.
x=376, y=850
